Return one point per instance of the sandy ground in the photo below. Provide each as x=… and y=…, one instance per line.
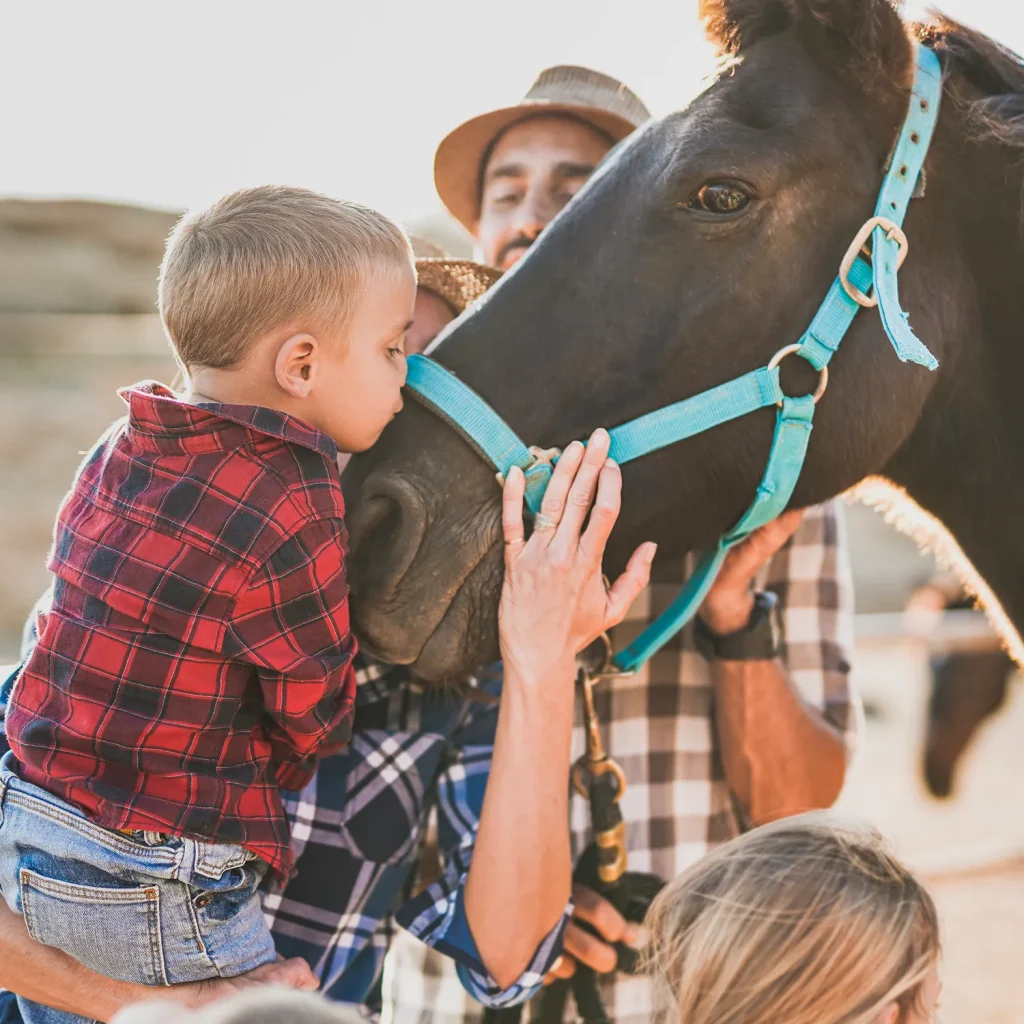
x=970, y=847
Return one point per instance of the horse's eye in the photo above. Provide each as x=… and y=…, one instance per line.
x=721, y=197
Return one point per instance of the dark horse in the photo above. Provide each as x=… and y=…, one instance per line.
x=702, y=247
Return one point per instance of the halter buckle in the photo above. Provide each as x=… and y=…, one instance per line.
x=538, y=457
x=790, y=350
x=859, y=244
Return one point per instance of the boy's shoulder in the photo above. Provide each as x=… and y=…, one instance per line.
x=232, y=481
x=305, y=483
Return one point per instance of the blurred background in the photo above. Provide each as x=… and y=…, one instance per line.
x=118, y=115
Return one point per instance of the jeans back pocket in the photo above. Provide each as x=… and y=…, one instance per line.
x=116, y=932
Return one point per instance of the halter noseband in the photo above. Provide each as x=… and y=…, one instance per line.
x=858, y=284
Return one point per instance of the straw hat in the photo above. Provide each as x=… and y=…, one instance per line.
x=457, y=282
x=600, y=101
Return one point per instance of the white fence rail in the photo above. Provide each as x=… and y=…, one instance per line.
x=943, y=632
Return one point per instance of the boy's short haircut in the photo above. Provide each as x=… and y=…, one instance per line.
x=263, y=257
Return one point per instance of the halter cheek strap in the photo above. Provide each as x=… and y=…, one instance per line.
x=859, y=284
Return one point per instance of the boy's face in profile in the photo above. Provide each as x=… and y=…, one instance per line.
x=359, y=381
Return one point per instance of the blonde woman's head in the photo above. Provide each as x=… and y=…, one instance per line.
x=259, y=1005
x=804, y=921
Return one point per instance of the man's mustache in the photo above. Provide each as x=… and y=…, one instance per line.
x=519, y=242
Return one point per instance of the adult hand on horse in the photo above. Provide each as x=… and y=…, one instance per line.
x=730, y=601
x=554, y=602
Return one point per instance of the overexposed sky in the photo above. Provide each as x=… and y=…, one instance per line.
x=174, y=103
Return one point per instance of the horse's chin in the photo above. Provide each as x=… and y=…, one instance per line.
x=463, y=640
x=459, y=642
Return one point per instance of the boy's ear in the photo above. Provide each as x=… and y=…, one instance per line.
x=295, y=365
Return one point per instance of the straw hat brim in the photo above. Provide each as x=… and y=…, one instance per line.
x=458, y=282
x=457, y=160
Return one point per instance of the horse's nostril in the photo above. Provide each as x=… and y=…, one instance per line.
x=386, y=528
x=378, y=518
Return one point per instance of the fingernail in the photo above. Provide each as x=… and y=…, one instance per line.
x=650, y=550
x=611, y=464
x=514, y=473
x=635, y=936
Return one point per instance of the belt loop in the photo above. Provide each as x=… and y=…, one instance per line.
x=185, y=861
x=5, y=774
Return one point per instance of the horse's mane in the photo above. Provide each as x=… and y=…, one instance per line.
x=904, y=514
x=994, y=70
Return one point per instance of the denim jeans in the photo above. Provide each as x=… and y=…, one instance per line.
x=143, y=907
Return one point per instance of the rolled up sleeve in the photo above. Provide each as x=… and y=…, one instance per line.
x=437, y=916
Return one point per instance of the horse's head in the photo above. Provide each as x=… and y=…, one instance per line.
x=701, y=248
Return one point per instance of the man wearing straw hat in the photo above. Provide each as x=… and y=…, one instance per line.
x=699, y=769
x=504, y=175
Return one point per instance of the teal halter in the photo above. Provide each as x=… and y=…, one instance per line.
x=443, y=393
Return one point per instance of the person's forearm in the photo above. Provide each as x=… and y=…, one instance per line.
x=48, y=976
x=520, y=875
x=780, y=756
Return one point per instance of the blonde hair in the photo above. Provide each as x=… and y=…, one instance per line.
x=804, y=921
x=263, y=257
x=262, y=1004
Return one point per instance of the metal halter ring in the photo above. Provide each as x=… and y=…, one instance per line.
x=790, y=350
x=859, y=244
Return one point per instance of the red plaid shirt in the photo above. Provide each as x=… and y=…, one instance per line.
x=198, y=654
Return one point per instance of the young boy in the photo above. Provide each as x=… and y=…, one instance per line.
x=197, y=655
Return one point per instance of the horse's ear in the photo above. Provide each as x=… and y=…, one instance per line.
x=733, y=24
x=865, y=31
x=853, y=31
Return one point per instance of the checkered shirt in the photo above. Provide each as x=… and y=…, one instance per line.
x=358, y=826
x=659, y=726
x=197, y=652
x=357, y=830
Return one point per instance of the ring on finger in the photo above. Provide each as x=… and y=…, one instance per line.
x=543, y=522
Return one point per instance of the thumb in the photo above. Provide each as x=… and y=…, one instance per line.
x=626, y=589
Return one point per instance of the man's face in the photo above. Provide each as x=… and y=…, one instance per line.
x=535, y=168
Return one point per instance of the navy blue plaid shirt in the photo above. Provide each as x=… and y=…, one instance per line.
x=356, y=832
